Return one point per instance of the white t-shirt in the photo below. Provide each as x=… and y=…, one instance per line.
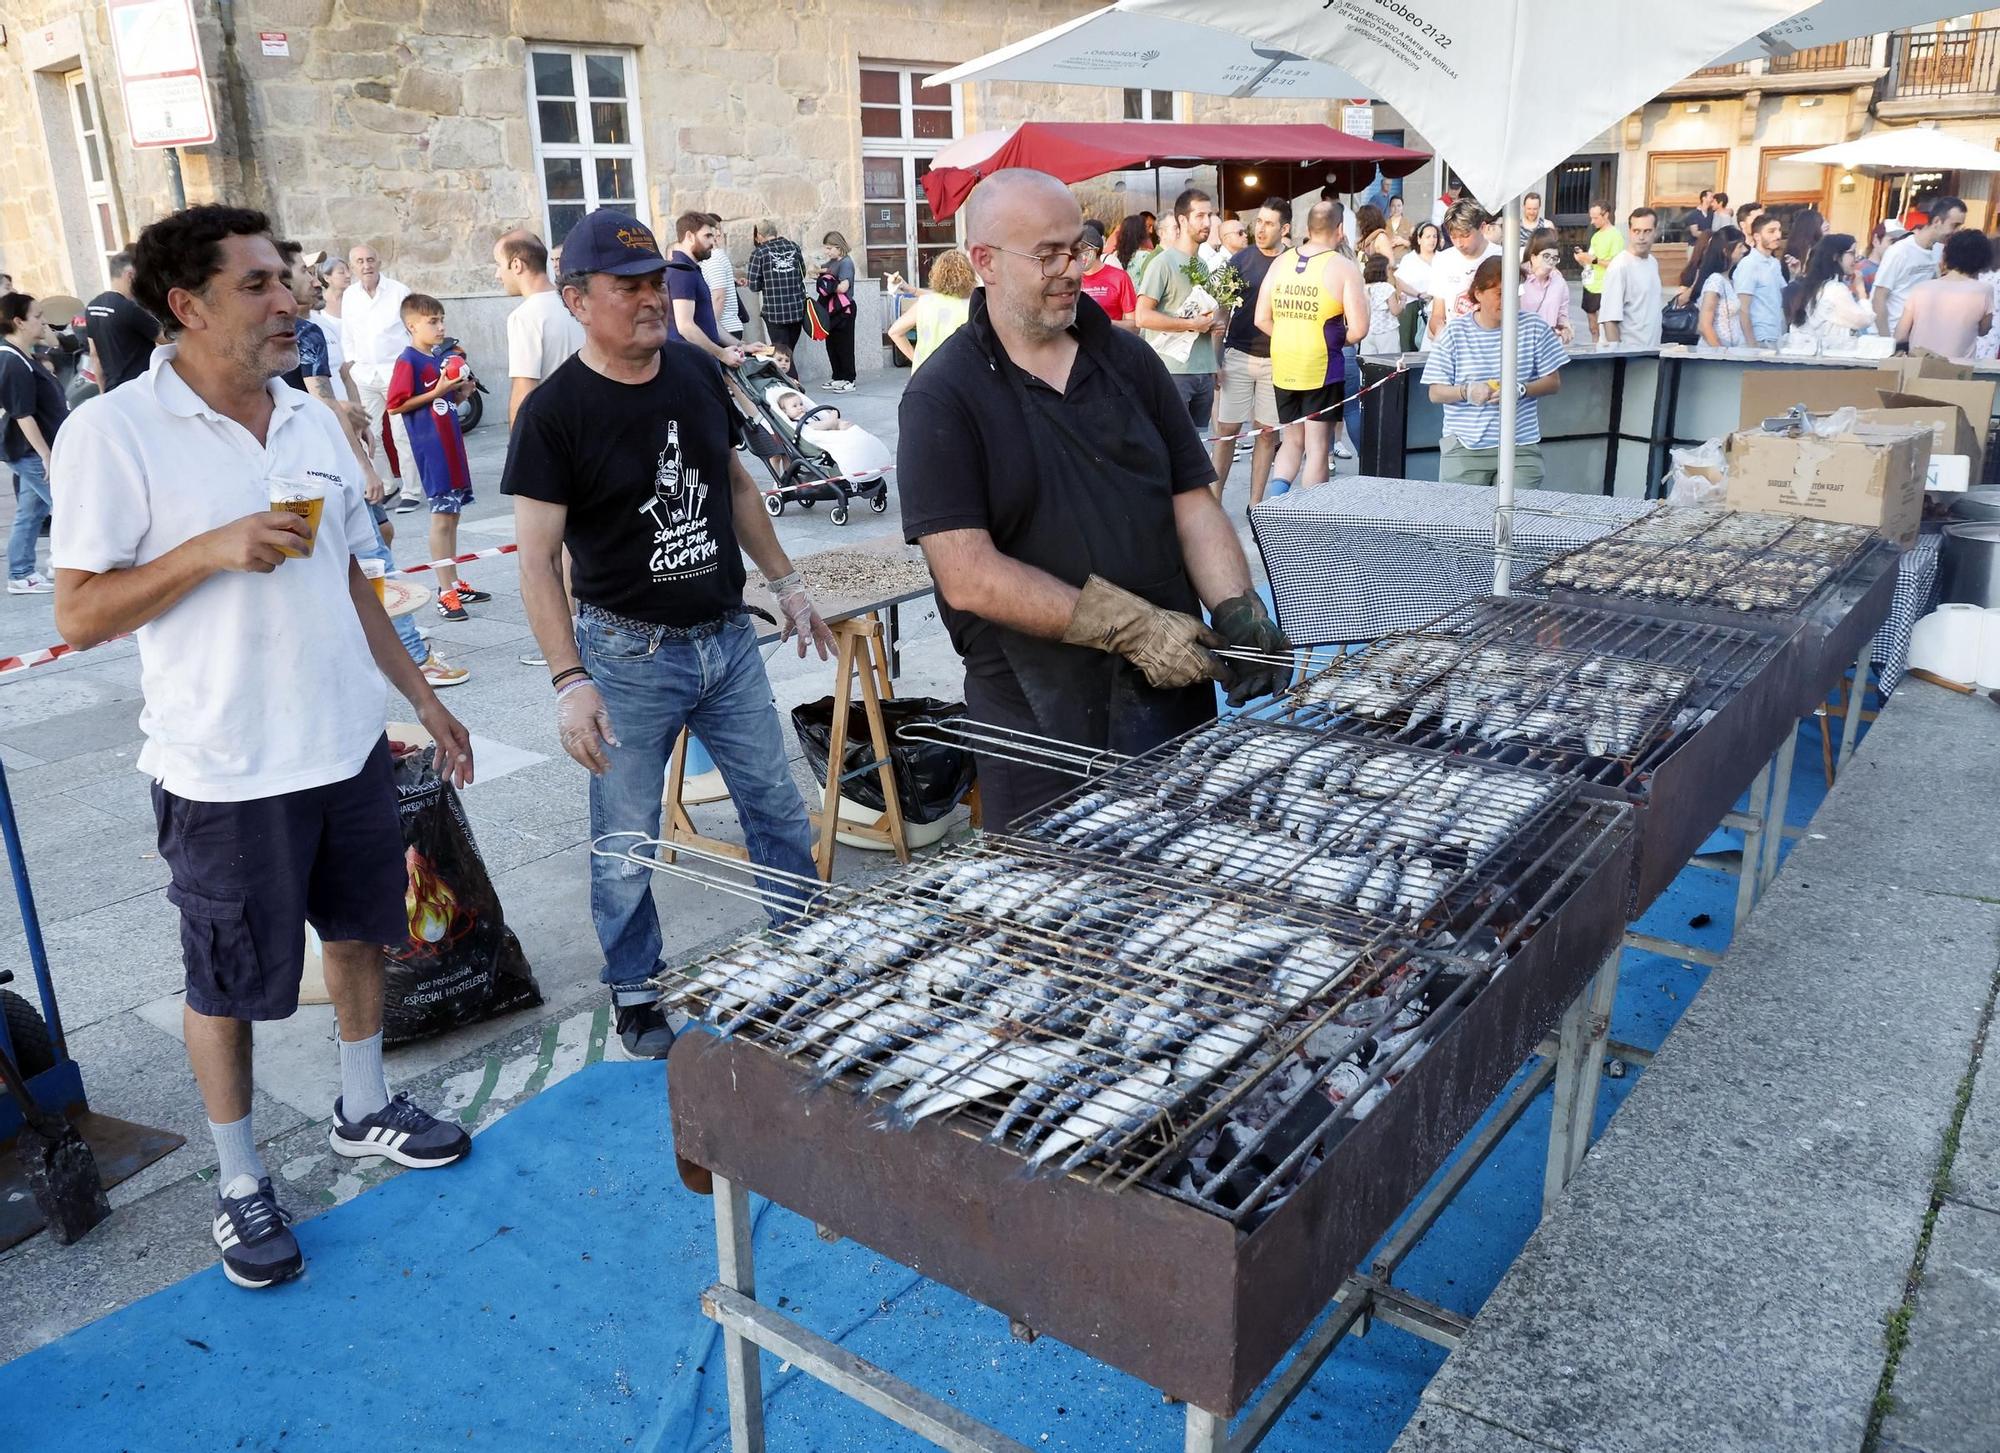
x=335, y=354
x=541, y=336
x=372, y=331
x=1632, y=299
x=1906, y=263
x=1213, y=255
x=1451, y=283
x=720, y=273
x=254, y=685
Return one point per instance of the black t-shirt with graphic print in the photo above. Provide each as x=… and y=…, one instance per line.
x=643, y=470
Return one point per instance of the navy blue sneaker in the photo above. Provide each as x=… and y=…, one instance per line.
x=401, y=1132
x=254, y=1234
x=643, y=1028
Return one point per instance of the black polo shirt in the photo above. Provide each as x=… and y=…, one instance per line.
x=1075, y=482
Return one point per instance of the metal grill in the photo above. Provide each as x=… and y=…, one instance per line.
x=1723, y=560
x=1602, y=697
x=1191, y=993
x=1110, y=1023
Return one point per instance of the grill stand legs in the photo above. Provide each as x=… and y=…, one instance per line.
x=1580, y=1046
x=736, y=1272
x=1850, y=725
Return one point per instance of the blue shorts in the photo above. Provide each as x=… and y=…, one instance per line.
x=249, y=876
x=448, y=502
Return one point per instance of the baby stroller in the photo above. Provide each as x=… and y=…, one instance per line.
x=807, y=464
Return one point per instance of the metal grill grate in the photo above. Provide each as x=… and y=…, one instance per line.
x=1721, y=559
x=1598, y=696
x=1108, y=1023
x=1393, y=837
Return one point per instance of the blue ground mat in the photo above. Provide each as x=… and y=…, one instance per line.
x=544, y=1294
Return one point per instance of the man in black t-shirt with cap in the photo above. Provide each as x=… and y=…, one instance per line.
x=626, y=456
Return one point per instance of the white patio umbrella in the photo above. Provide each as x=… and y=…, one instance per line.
x=1905, y=149
x=1467, y=75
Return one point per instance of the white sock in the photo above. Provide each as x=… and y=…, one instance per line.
x=363, y=1088
x=236, y=1151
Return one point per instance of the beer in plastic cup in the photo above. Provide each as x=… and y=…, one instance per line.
x=377, y=574
x=304, y=498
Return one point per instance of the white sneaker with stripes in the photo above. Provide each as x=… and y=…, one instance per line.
x=254, y=1234
x=401, y=1132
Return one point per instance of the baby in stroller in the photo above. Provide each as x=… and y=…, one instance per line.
x=812, y=451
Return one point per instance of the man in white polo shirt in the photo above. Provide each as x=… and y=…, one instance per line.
x=262, y=652
x=373, y=337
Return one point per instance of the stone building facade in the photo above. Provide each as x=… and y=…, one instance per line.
x=429, y=126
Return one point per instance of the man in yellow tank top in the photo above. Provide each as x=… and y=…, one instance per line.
x=1312, y=304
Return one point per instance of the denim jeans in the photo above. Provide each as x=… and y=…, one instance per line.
x=653, y=685
x=1197, y=391
x=406, y=626
x=1350, y=411
x=31, y=510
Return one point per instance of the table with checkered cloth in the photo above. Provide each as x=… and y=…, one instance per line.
x=1357, y=558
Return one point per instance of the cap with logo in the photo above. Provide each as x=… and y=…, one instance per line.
x=613, y=242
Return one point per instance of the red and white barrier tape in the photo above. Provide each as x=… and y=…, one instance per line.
x=12, y=665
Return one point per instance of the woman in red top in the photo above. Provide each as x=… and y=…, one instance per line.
x=1109, y=287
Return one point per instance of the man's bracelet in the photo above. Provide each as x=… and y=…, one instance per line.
x=562, y=676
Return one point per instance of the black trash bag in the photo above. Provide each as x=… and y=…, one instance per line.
x=930, y=779
x=460, y=963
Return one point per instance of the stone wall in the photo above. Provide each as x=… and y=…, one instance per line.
x=405, y=122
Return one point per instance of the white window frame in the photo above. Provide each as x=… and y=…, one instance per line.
x=589, y=152
x=909, y=149
x=99, y=200
x=1146, y=110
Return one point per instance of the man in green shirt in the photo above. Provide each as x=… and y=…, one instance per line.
x=1606, y=242
x=1164, y=290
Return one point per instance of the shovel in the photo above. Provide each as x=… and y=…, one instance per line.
x=62, y=1172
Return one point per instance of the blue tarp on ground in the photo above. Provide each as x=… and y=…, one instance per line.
x=544, y=1294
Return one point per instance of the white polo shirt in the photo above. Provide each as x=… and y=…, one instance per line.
x=254, y=685
x=372, y=331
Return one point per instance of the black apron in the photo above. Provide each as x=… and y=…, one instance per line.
x=1105, y=448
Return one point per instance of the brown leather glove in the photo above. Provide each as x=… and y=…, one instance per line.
x=1166, y=646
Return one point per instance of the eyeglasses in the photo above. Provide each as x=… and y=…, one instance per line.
x=1053, y=264
x=1549, y=254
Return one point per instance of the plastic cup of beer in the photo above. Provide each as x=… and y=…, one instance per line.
x=378, y=577
x=304, y=498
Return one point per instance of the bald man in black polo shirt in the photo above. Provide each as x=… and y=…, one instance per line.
x=1049, y=470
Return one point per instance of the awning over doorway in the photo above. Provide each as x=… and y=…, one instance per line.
x=1077, y=151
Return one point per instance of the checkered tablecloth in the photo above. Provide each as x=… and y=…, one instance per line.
x=1354, y=559
x=1916, y=597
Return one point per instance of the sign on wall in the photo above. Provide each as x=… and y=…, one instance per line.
x=160, y=73
x=1357, y=118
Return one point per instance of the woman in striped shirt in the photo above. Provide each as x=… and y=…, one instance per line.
x=1464, y=375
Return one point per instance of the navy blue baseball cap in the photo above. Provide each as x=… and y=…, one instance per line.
x=613, y=242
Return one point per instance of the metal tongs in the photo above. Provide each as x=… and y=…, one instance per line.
x=772, y=889
x=1011, y=744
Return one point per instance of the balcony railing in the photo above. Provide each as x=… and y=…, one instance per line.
x=1837, y=57
x=1738, y=69
x=1944, y=63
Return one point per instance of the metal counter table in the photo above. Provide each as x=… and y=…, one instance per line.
x=1609, y=428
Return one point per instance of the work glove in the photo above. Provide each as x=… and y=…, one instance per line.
x=583, y=726
x=801, y=619
x=1243, y=622
x=1170, y=649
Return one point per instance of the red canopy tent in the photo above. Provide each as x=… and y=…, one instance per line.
x=1077, y=151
